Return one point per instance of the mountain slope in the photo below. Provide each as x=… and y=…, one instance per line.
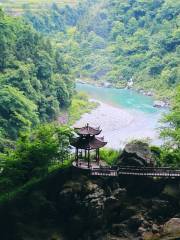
x=35, y=81
x=122, y=40
x=17, y=7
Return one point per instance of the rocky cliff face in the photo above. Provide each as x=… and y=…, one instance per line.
x=109, y=209
x=71, y=205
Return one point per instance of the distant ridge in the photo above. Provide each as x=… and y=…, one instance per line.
x=17, y=7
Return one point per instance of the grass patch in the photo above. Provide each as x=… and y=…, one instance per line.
x=110, y=156
x=80, y=105
x=59, y=165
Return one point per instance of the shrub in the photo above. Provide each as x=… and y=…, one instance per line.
x=110, y=156
x=33, y=155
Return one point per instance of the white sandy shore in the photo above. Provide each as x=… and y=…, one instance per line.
x=119, y=126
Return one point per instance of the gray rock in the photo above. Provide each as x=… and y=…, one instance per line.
x=119, y=229
x=137, y=153
x=155, y=228
x=135, y=222
x=160, y=209
x=127, y=212
x=141, y=230
x=107, y=85
x=146, y=224
x=149, y=93
x=159, y=104
x=172, y=228
x=112, y=204
x=119, y=192
x=90, y=186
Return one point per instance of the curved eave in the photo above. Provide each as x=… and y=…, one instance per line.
x=87, y=131
x=100, y=146
x=89, y=145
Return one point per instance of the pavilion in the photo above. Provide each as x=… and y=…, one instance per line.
x=86, y=142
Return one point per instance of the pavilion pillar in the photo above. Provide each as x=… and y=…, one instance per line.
x=98, y=156
x=88, y=159
x=85, y=154
x=77, y=157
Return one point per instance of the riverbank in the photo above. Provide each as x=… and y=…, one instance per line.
x=80, y=105
x=120, y=125
x=159, y=100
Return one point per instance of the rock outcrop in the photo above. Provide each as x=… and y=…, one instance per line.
x=103, y=209
x=71, y=205
x=137, y=154
x=168, y=231
x=171, y=229
x=161, y=104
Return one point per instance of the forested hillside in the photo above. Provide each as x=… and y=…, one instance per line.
x=42, y=52
x=17, y=7
x=117, y=41
x=35, y=81
x=98, y=40
x=147, y=39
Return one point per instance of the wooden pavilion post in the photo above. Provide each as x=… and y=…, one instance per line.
x=88, y=159
x=77, y=157
x=98, y=156
x=85, y=154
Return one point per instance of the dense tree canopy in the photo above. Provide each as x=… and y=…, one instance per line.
x=16, y=111
x=33, y=154
x=170, y=153
x=121, y=40
x=172, y=130
x=35, y=80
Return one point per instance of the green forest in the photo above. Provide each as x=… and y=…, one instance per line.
x=43, y=54
x=117, y=41
x=36, y=81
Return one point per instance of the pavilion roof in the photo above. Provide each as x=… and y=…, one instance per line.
x=87, y=130
x=89, y=143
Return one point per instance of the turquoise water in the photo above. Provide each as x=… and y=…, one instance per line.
x=123, y=98
x=133, y=116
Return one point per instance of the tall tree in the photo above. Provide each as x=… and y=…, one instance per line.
x=171, y=131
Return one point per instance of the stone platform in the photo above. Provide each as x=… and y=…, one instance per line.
x=93, y=164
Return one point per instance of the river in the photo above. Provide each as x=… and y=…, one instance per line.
x=123, y=115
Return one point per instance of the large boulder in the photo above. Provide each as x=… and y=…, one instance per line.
x=171, y=229
x=137, y=153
